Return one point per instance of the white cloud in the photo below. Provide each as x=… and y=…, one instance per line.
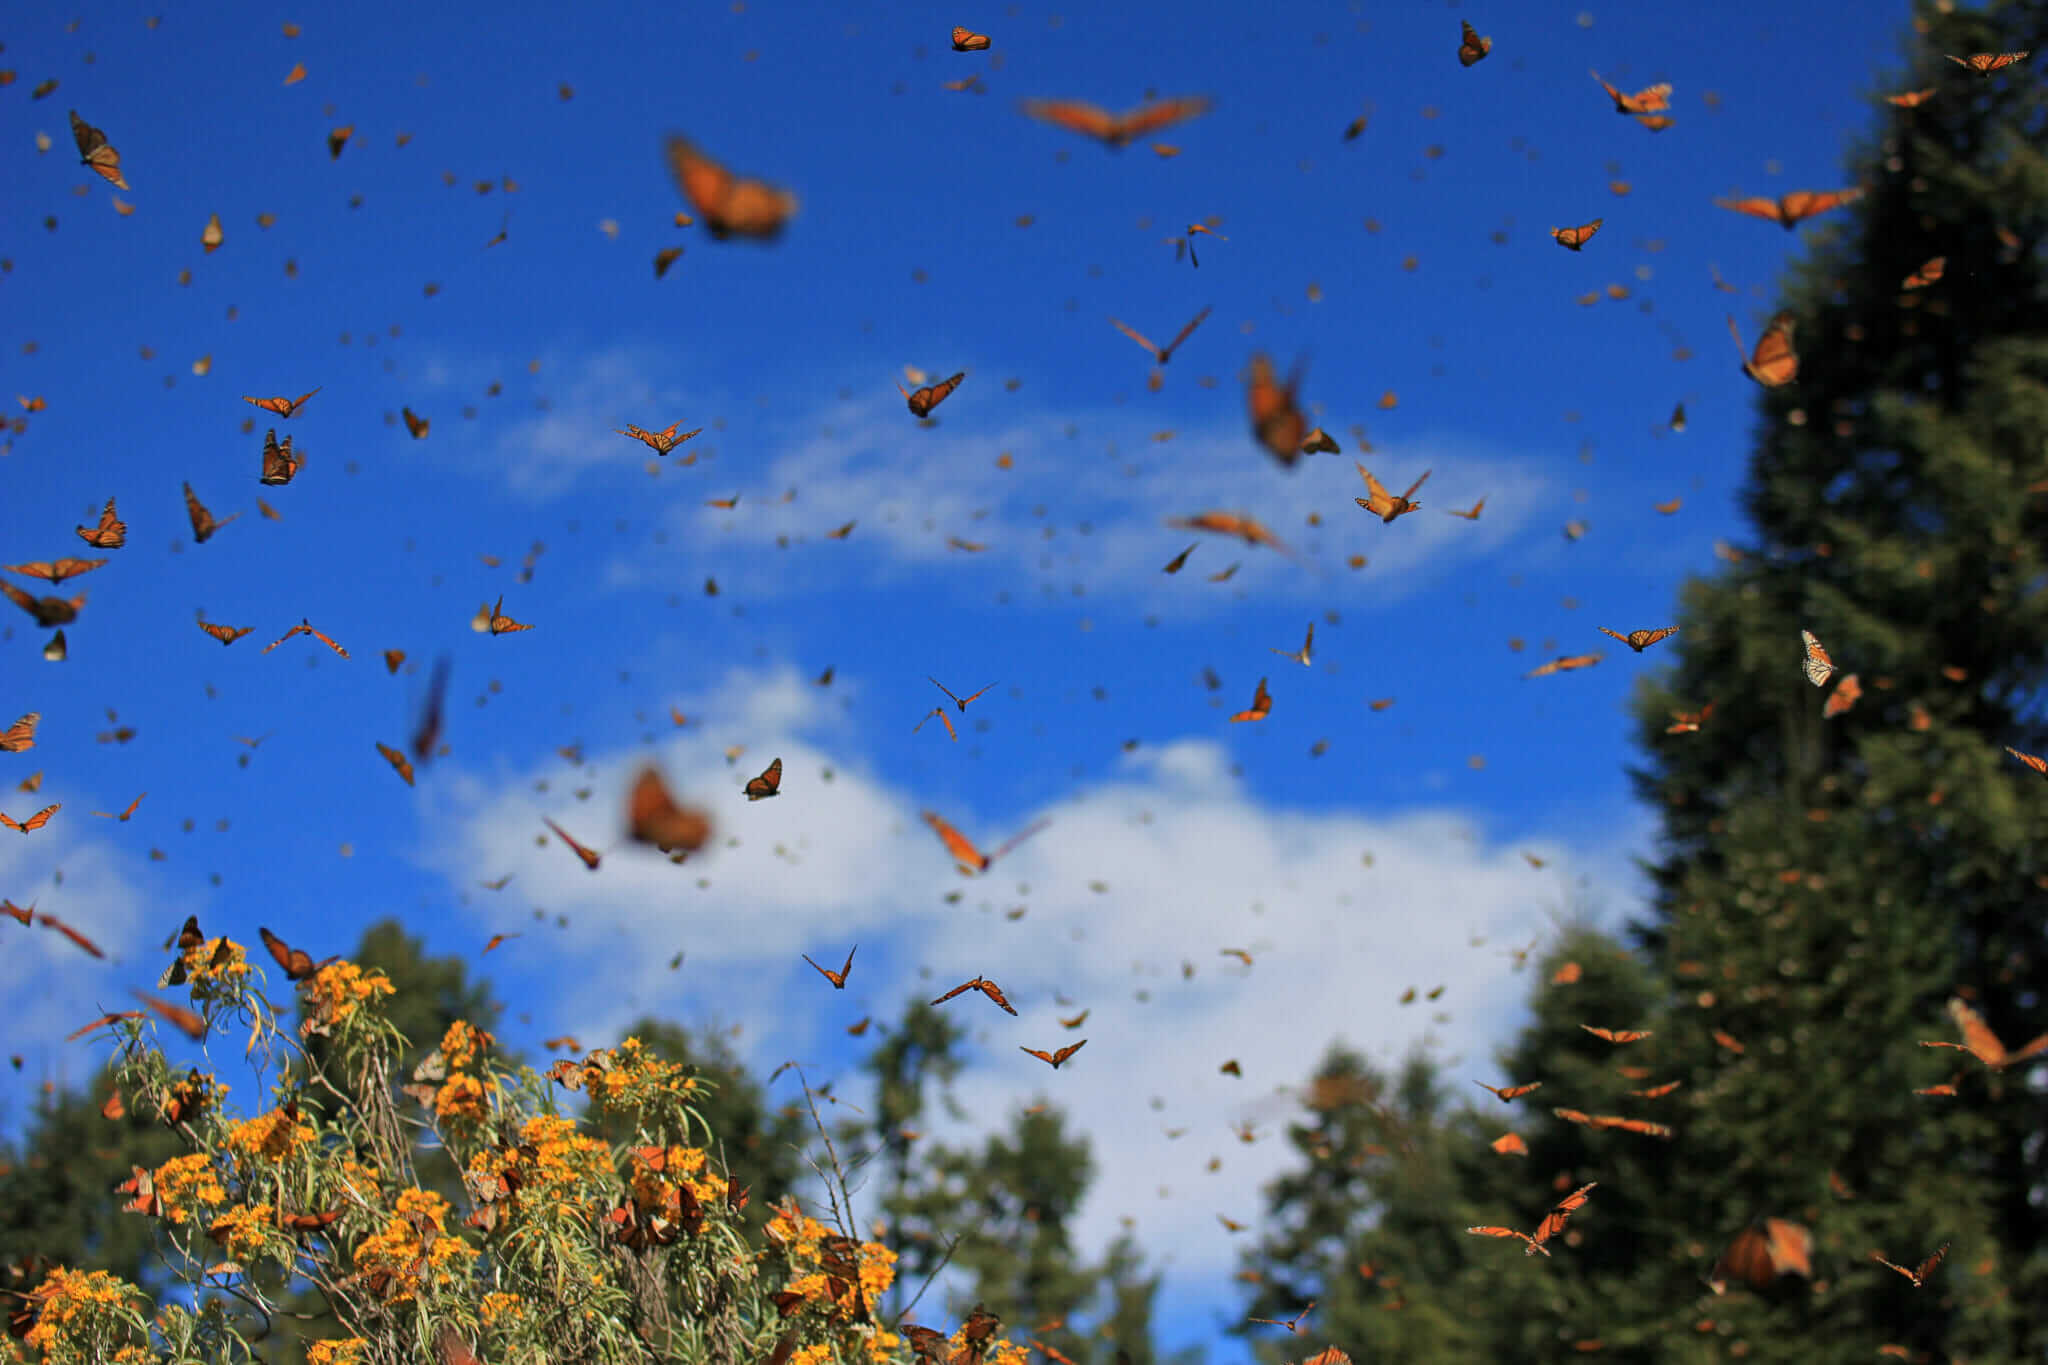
x=1168, y=862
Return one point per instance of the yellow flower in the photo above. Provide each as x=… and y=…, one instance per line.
x=347, y=1351
x=75, y=1306
x=185, y=1183
x=500, y=1307
x=336, y=990
x=271, y=1137
x=462, y=1044
x=882, y=1346
x=202, y=970
x=240, y=1230
x=462, y=1097
x=877, y=1269
x=815, y=1354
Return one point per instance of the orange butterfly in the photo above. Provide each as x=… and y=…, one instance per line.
x=1472, y=47
x=282, y=406
x=1601, y=1121
x=1552, y=1224
x=768, y=784
x=1927, y=274
x=925, y=399
x=1510, y=1144
x=400, y=764
x=1657, y=1092
x=1640, y=640
x=590, y=856
x=1980, y=1042
x=203, y=524
x=125, y=815
x=177, y=1016
x=501, y=624
x=1230, y=524
x=1790, y=210
x=57, y=570
x=338, y=139
x=730, y=206
x=1384, y=505
x=1575, y=238
x=1564, y=664
x=654, y=817
x=940, y=712
x=660, y=442
x=1162, y=354
x=298, y=964
x=1114, y=130
x=50, y=921
x=967, y=40
x=838, y=978
x=280, y=463
x=1319, y=441
x=48, y=611
x=1616, y=1036
x=33, y=823
x=1277, y=423
x=1511, y=1092
x=110, y=534
x=1774, y=363
x=304, y=627
x=1300, y=656
x=970, y=859
x=1261, y=707
x=21, y=735
x=2037, y=763
x=1846, y=694
x=1919, y=1274
x=1983, y=63
x=956, y=700
x=1819, y=667
x=1055, y=1058
x=986, y=987
x=1762, y=1252
x=95, y=153
x=1645, y=101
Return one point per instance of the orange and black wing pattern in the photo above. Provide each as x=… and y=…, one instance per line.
x=931, y=395
x=729, y=205
x=768, y=784
x=95, y=153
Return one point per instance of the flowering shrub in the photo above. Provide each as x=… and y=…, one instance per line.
x=571, y=1249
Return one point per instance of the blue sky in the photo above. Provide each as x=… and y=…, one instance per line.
x=907, y=249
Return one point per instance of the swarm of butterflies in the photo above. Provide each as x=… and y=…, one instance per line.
x=1767, y=1254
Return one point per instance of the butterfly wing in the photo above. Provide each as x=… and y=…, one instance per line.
x=400, y=764
x=1137, y=336
x=1184, y=334
x=768, y=784
x=964, y=853
x=1077, y=116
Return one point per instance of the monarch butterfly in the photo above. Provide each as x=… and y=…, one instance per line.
x=110, y=534
x=987, y=988
x=1846, y=694
x=838, y=978
x=1261, y=707
x=1277, y=423
x=1603, y=1121
x=338, y=139
x=392, y=659
x=1322, y=442
x=1552, y=1224
x=970, y=859
x=177, y=1016
x=1575, y=238
x=50, y=921
x=125, y=815
x=1818, y=666
x=1911, y=99
x=768, y=784
x=1790, y=210
x=931, y=395
x=1762, y=1252
x=660, y=442
x=1927, y=274
x=1774, y=363
x=729, y=205
x=654, y=817
x=1300, y=656
x=1471, y=514
x=1230, y=524
x=498, y=623
x=33, y=823
x=1163, y=354
x=967, y=40
x=415, y=424
x=1053, y=1059
x=1919, y=1274
x=1616, y=1036
x=280, y=464
x=1983, y=63
x=1114, y=130
x=590, y=856
x=1565, y=664
x=21, y=735
x=95, y=153
x=2038, y=764
x=957, y=701
x=1510, y=1144
x=1472, y=48
x=1648, y=100
x=1980, y=1042
x=1382, y=504
x=57, y=570
x=297, y=962
x=428, y=733
x=48, y=611
x=1656, y=123
x=400, y=764
x=1640, y=640
x=1657, y=1092
x=305, y=628
x=203, y=523
x=1668, y=508
x=940, y=712
x=1510, y=1092
x=282, y=406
